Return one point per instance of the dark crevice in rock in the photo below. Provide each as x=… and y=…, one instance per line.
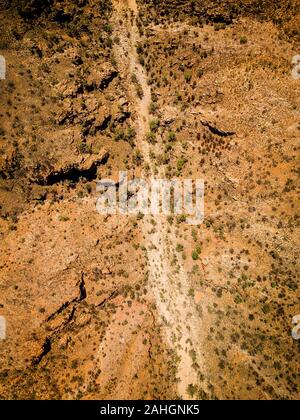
x=216, y=131
x=223, y=19
x=108, y=79
x=150, y=350
x=124, y=116
x=82, y=289
x=110, y=297
x=90, y=128
x=47, y=346
x=62, y=17
x=104, y=125
x=73, y=174
x=45, y=350
x=104, y=83
x=60, y=310
x=82, y=296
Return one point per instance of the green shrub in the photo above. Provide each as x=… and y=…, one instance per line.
x=192, y=390
x=188, y=76
x=172, y=136
x=195, y=255
x=154, y=125
x=200, y=73
x=181, y=218
x=151, y=138
x=153, y=107
x=138, y=157
x=179, y=248
x=180, y=163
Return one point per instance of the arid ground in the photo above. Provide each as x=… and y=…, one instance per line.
x=141, y=306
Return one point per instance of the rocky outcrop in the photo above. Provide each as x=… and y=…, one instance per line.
x=85, y=167
x=100, y=78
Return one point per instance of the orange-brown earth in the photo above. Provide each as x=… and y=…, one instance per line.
x=149, y=307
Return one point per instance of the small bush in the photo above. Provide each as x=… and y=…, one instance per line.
x=172, y=136
x=188, y=76
x=179, y=248
x=195, y=255
x=151, y=138
x=154, y=126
